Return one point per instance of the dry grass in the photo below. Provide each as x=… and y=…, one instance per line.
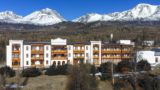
x=44, y=82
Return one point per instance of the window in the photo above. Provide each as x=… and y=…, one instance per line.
x=27, y=55
x=27, y=63
x=46, y=47
x=156, y=60
x=26, y=47
x=69, y=47
x=47, y=62
x=86, y=54
x=86, y=47
x=47, y=55
x=69, y=55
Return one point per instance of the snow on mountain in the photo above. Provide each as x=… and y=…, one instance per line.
x=42, y=17
x=48, y=16
x=9, y=17
x=140, y=12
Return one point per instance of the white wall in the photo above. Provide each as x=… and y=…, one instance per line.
x=87, y=51
x=27, y=59
x=47, y=51
x=70, y=51
x=146, y=55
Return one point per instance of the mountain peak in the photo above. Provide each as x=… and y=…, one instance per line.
x=141, y=11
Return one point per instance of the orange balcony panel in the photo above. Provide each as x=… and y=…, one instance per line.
x=16, y=51
x=59, y=51
x=115, y=57
x=111, y=51
x=37, y=51
x=37, y=58
x=15, y=66
x=59, y=58
x=95, y=50
x=96, y=57
x=78, y=51
x=37, y=66
x=126, y=57
x=126, y=51
x=80, y=57
x=15, y=59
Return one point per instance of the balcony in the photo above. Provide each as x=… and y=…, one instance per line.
x=37, y=58
x=78, y=51
x=78, y=57
x=37, y=66
x=16, y=51
x=59, y=51
x=126, y=57
x=15, y=59
x=96, y=57
x=126, y=51
x=37, y=51
x=112, y=57
x=59, y=58
x=111, y=51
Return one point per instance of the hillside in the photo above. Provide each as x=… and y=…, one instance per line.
x=80, y=32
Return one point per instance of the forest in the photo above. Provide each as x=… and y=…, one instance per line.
x=136, y=31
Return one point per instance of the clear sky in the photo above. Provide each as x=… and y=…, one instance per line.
x=71, y=9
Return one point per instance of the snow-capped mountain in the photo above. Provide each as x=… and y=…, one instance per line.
x=142, y=12
x=43, y=17
x=9, y=16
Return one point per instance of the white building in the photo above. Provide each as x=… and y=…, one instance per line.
x=21, y=54
x=152, y=56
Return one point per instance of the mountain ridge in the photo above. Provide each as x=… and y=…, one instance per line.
x=142, y=12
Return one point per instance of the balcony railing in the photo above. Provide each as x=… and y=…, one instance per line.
x=59, y=51
x=59, y=58
x=112, y=57
x=37, y=66
x=37, y=58
x=37, y=51
x=15, y=51
x=96, y=57
x=78, y=51
x=15, y=59
x=78, y=57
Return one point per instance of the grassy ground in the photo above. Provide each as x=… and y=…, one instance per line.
x=44, y=82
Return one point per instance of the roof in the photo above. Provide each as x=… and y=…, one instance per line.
x=28, y=43
x=156, y=49
x=83, y=43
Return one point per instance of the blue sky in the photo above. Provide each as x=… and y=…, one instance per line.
x=71, y=9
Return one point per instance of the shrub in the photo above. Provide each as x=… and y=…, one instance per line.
x=143, y=65
x=52, y=70
x=59, y=70
x=93, y=70
x=80, y=79
x=31, y=72
x=9, y=72
x=105, y=69
x=124, y=66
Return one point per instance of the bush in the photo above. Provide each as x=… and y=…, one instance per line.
x=105, y=69
x=124, y=66
x=52, y=70
x=9, y=72
x=80, y=79
x=143, y=65
x=31, y=72
x=59, y=70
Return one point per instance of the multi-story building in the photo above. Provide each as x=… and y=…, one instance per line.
x=21, y=54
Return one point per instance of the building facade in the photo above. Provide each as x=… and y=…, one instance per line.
x=21, y=54
x=151, y=56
